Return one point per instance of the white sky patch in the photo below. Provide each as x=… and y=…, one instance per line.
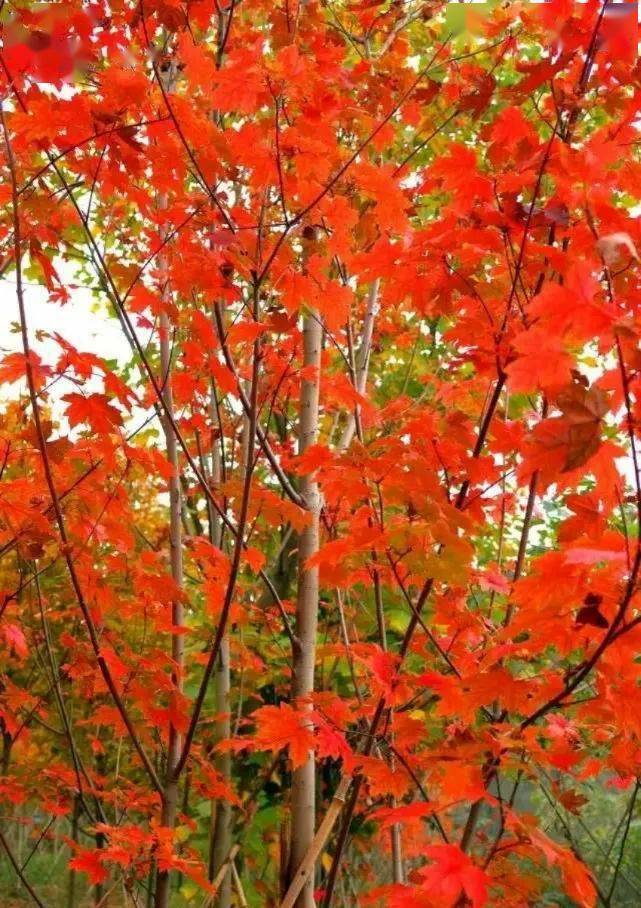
x=82, y=322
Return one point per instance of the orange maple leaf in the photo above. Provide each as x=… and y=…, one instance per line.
x=278, y=727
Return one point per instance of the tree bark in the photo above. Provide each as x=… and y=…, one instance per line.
x=221, y=821
x=170, y=793
x=72, y=877
x=222, y=825
x=362, y=365
x=170, y=790
x=303, y=807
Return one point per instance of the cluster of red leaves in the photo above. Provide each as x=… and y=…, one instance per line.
x=456, y=210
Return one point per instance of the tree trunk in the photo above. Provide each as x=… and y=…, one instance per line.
x=7, y=742
x=222, y=826
x=362, y=366
x=170, y=792
x=220, y=840
x=304, y=778
x=72, y=878
x=100, y=838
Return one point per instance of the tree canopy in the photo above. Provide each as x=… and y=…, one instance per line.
x=326, y=591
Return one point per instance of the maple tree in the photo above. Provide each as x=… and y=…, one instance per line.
x=309, y=597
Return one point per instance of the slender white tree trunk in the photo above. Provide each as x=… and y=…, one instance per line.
x=362, y=365
x=221, y=841
x=221, y=835
x=304, y=856
x=304, y=778
x=398, y=870
x=170, y=793
x=170, y=798
x=222, y=831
